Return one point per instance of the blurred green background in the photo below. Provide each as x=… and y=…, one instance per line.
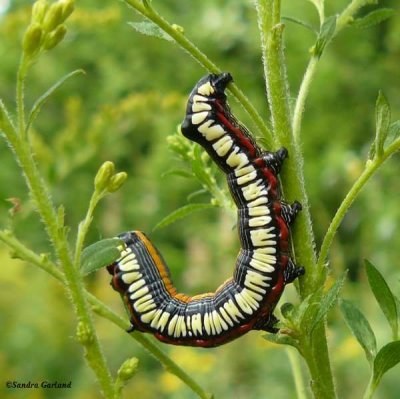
x=131, y=98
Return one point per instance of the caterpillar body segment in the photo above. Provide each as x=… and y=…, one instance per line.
x=263, y=266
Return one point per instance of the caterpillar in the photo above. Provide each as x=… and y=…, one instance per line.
x=263, y=267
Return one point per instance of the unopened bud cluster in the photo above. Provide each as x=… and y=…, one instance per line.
x=47, y=27
x=84, y=334
x=107, y=180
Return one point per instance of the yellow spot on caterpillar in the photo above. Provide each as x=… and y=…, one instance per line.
x=223, y=145
x=237, y=160
x=205, y=89
x=199, y=117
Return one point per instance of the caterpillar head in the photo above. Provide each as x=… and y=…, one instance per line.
x=214, y=85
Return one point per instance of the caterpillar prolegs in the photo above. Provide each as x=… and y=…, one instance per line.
x=263, y=267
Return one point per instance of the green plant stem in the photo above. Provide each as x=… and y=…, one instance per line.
x=56, y=231
x=370, y=389
x=101, y=309
x=302, y=96
x=151, y=14
x=271, y=30
x=295, y=364
x=84, y=226
x=27, y=255
x=347, y=14
x=369, y=170
x=316, y=355
x=21, y=75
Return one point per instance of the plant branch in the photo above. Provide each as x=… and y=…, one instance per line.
x=56, y=231
x=371, y=168
x=84, y=227
x=294, y=360
x=347, y=14
x=302, y=96
x=271, y=31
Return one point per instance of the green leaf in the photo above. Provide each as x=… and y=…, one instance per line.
x=382, y=118
x=327, y=302
x=387, y=357
x=100, y=254
x=383, y=295
x=394, y=133
x=181, y=213
x=301, y=23
x=307, y=311
x=5, y=121
x=373, y=18
x=177, y=172
x=150, y=29
x=37, y=106
x=325, y=35
x=281, y=339
x=360, y=328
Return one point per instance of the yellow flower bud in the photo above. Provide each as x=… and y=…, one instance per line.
x=128, y=369
x=104, y=175
x=39, y=9
x=55, y=37
x=83, y=333
x=117, y=181
x=68, y=7
x=32, y=39
x=54, y=17
x=178, y=28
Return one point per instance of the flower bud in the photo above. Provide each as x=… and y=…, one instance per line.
x=117, y=181
x=104, y=175
x=178, y=28
x=68, y=7
x=55, y=37
x=54, y=17
x=83, y=333
x=39, y=9
x=32, y=39
x=128, y=369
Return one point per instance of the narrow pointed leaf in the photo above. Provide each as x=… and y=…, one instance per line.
x=100, y=254
x=281, y=339
x=177, y=172
x=387, y=357
x=37, y=106
x=382, y=117
x=373, y=18
x=325, y=35
x=150, y=29
x=181, y=213
x=301, y=23
x=328, y=301
x=394, y=133
x=5, y=122
x=360, y=328
x=383, y=295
